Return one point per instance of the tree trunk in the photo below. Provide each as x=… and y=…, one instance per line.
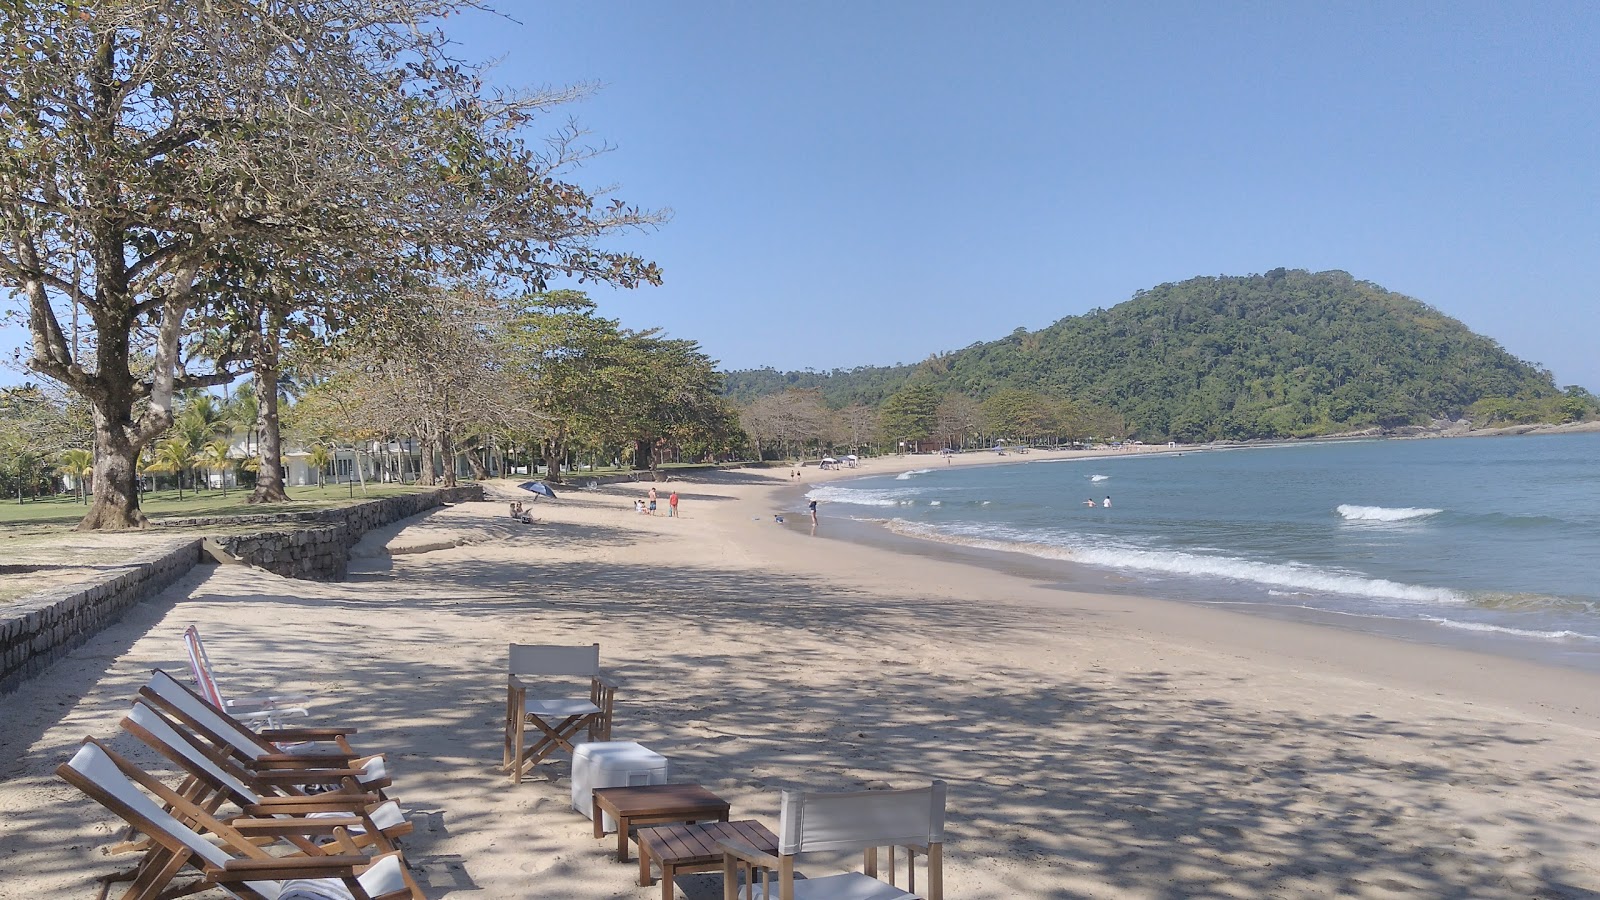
x=480, y=472
x=116, y=479
x=426, y=476
x=269, y=477
x=555, y=450
x=447, y=457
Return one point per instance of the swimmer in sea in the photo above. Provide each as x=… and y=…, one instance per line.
x=1089, y=502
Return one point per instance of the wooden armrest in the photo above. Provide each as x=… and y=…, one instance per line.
x=747, y=853
x=287, y=867
x=304, y=734
x=307, y=776
x=302, y=761
x=326, y=802
x=278, y=827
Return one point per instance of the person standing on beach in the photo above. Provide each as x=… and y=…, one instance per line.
x=813, y=512
x=672, y=505
x=652, y=496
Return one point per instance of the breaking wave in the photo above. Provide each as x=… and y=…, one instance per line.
x=1352, y=513
x=1292, y=576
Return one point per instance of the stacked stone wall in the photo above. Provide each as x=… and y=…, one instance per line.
x=41, y=627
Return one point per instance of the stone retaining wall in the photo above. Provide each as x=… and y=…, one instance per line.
x=41, y=627
x=322, y=552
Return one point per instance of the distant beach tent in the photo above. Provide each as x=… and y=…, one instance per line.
x=829, y=459
x=538, y=487
x=851, y=457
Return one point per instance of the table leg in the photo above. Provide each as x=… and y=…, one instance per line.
x=644, y=865
x=622, y=835
x=667, y=883
x=599, y=818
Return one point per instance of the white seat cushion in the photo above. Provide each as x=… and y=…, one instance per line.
x=383, y=878
x=559, y=709
x=851, y=886
x=385, y=816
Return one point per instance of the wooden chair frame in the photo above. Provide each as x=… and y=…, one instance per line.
x=557, y=731
x=229, y=738
x=209, y=783
x=232, y=858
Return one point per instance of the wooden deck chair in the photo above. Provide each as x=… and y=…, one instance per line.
x=319, y=748
x=858, y=820
x=557, y=720
x=233, y=863
x=212, y=782
x=254, y=712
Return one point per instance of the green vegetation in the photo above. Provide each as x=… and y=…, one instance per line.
x=66, y=510
x=1283, y=354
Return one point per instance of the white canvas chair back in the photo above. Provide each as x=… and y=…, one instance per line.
x=858, y=820
x=98, y=774
x=194, y=758
x=555, y=660
x=114, y=790
x=205, y=716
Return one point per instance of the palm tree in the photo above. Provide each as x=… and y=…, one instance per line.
x=214, y=456
x=79, y=464
x=173, y=456
x=320, y=459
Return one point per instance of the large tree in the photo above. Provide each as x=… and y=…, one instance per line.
x=149, y=141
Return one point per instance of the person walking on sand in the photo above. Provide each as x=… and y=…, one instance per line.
x=672, y=505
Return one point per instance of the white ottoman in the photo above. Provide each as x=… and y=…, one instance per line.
x=612, y=764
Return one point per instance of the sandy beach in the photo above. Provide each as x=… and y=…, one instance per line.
x=1095, y=746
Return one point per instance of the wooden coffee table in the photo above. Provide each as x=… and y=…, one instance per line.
x=694, y=848
x=650, y=803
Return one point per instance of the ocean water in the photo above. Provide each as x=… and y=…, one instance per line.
x=1492, y=543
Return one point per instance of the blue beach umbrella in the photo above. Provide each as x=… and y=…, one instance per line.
x=538, y=487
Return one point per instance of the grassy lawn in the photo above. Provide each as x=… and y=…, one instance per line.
x=165, y=504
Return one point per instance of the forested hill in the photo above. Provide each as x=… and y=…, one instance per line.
x=1286, y=353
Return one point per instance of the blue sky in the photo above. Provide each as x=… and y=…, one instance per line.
x=870, y=183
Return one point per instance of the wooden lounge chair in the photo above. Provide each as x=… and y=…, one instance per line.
x=254, y=712
x=213, y=782
x=858, y=820
x=558, y=720
x=230, y=859
x=313, y=748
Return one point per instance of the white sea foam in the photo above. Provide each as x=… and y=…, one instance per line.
x=1352, y=513
x=907, y=476
x=1099, y=477
x=1519, y=632
x=1174, y=562
x=935, y=502
x=863, y=497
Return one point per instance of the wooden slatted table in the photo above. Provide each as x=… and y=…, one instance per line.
x=680, y=849
x=653, y=803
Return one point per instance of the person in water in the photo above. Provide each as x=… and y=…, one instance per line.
x=1107, y=504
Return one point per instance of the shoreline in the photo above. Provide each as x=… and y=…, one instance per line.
x=1096, y=745
x=1202, y=591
